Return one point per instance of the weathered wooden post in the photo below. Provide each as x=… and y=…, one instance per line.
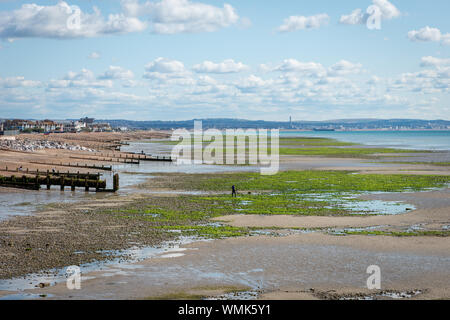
x=62, y=183
x=38, y=186
x=86, y=185
x=48, y=181
x=72, y=186
x=116, y=182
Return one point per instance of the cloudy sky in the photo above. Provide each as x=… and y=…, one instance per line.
x=184, y=59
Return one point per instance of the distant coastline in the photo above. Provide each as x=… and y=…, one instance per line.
x=367, y=130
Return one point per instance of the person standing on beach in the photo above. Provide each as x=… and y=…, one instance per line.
x=233, y=191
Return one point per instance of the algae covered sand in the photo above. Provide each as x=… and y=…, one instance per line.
x=297, y=193
x=145, y=219
x=304, y=181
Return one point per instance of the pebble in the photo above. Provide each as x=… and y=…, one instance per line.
x=32, y=145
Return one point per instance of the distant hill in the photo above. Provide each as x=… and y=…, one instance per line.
x=341, y=124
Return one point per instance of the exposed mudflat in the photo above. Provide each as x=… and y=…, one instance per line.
x=268, y=264
x=315, y=265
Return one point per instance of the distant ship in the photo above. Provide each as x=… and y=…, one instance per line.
x=324, y=129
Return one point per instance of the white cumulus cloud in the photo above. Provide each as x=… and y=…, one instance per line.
x=434, y=62
x=429, y=34
x=164, y=65
x=83, y=79
x=115, y=72
x=177, y=16
x=294, y=23
x=385, y=8
x=227, y=66
x=63, y=21
x=165, y=69
x=356, y=17
x=388, y=10
x=17, y=82
x=344, y=67
x=306, y=68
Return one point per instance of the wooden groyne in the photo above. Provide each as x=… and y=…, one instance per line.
x=148, y=157
x=75, y=165
x=120, y=160
x=78, y=175
x=136, y=156
x=34, y=183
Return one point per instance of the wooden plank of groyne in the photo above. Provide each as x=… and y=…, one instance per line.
x=149, y=157
x=75, y=165
x=120, y=160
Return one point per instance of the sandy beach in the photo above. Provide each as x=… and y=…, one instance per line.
x=296, y=257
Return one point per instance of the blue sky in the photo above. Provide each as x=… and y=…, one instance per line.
x=181, y=59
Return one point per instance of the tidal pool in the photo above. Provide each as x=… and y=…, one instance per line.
x=350, y=202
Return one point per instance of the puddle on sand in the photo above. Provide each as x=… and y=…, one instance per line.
x=350, y=202
x=172, y=255
x=378, y=207
x=24, y=202
x=415, y=227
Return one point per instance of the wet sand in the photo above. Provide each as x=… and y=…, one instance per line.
x=283, y=267
x=268, y=265
x=60, y=235
x=273, y=267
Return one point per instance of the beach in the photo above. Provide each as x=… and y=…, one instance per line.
x=121, y=238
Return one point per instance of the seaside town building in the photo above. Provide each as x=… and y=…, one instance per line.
x=74, y=126
x=100, y=127
x=16, y=126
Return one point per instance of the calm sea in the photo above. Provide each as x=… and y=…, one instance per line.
x=430, y=140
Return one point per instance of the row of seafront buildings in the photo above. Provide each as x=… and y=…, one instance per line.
x=16, y=126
